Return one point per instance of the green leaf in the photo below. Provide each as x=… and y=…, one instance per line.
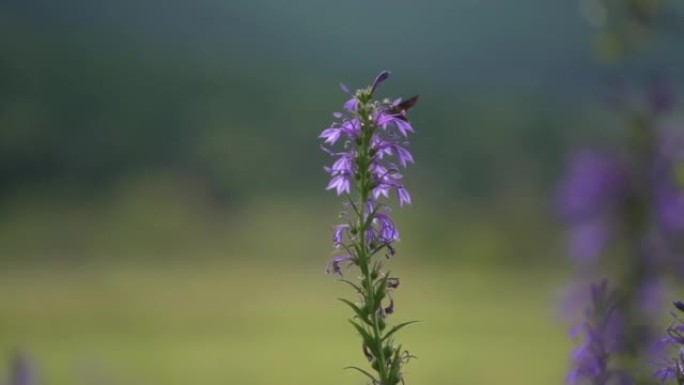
x=352, y=284
x=367, y=338
x=380, y=291
x=395, y=367
x=364, y=372
x=396, y=329
x=361, y=313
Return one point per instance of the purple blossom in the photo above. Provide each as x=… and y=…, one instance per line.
x=340, y=183
x=386, y=118
x=338, y=235
x=404, y=196
x=387, y=231
x=334, y=264
x=385, y=147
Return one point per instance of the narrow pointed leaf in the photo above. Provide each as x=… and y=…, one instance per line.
x=396, y=329
x=367, y=338
x=352, y=284
x=363, y=315
x=363, y=372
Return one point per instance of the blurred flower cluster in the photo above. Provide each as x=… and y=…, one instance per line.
x=623, y=207
x=623, y=203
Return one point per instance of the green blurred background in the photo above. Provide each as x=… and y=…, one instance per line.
x=162, y=213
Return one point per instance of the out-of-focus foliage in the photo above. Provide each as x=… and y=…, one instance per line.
x=231, y=92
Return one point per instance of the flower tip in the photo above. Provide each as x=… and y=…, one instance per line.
x=382, y=76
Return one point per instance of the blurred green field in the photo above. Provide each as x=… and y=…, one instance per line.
x=250, y=323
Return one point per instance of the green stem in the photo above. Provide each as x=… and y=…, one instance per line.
x=364, y=259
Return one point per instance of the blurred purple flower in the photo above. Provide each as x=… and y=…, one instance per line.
x=21, y=371
x=589, y=198
x=599, y=339
x=588, y=239
x=593, y=183
x=660, y=94
x=649, y=297
x=672, y=366
x=669, y=207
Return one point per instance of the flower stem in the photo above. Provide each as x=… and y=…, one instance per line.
x=364, y=259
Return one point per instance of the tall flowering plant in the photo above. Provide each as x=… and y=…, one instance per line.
x=368, y=143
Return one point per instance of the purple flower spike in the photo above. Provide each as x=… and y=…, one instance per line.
x=379, y=79
x=366, y=169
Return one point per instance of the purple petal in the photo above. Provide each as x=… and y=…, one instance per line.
x=390, y=308
x=351, y=104
x=334, y=264
x=379, y=79
x=403, y=155
x=338, y=235
x=331, y=135
x=403, y=126
x=340, y=183
x=403, y=195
